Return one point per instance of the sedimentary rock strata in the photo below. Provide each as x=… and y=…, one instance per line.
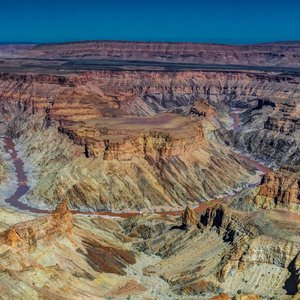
x=131, y=178
x=271, y=131
x=278, y=190
x=281, y=188
x=161, y=142
x=142, y=121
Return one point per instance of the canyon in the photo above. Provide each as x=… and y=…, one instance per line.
x=162, y=179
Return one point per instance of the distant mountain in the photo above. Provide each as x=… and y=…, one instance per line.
x=283, y=53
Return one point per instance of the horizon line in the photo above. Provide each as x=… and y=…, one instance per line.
x=147, y=41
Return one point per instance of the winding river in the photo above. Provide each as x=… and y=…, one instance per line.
x=23, y=187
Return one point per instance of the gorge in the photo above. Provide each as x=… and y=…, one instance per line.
x=158, y=179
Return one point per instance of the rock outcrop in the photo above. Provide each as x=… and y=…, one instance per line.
x=2, y=170
x=271, y=130
x=189, y=218
x=28, y=234
x=279, y=189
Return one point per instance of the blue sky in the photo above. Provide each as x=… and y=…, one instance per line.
x=197, y=21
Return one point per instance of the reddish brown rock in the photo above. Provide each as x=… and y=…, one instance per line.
x=200, y=286
x=189, y=217
x=63, y=218
x=222, y=296
x=11, y=237
x=279, y=189
x=27, y=234
x=247, y=297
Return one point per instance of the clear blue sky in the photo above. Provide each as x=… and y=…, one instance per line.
x=172, y=20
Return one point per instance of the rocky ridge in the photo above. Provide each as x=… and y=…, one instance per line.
x=2, y=170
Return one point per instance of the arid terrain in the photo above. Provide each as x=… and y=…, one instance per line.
x=150, y=171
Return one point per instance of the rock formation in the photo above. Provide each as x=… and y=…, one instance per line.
x=189, y=217
x=279, y=189
x=2, y=170
x=29, y=233
x=233, y=252
x=271, y=130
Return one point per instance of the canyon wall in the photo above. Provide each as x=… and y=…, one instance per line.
x=126, y=136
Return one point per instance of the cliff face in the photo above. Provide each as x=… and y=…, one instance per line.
x=189, y=217
x=90, y=94
x=112, y=94
x=269, y=129
x=279, y=189
x=161, y=174
x=2, y=170
x=159, y=137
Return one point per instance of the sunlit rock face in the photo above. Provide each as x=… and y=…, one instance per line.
x=28, y=234
x=278, y=190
